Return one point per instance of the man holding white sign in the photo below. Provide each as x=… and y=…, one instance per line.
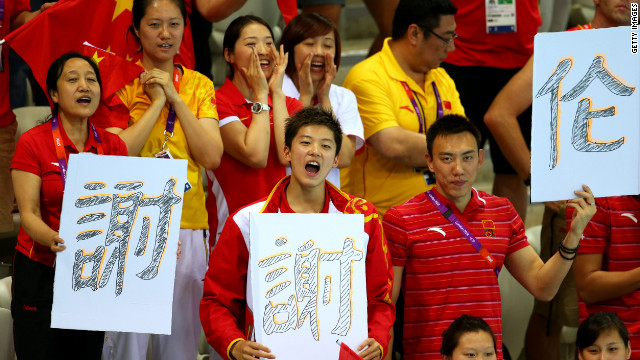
x=312, y=142
x=454, y=239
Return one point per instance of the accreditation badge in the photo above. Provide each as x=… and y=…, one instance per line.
x=500, y=16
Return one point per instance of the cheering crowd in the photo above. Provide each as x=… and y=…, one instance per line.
x=401, y=143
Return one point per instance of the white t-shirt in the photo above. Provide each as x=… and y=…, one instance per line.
x=345, y=108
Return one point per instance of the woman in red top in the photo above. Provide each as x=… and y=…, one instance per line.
x=74, y=85
x=252, y=108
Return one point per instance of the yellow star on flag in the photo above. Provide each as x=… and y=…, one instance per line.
x=121, y=5
x=96, y=58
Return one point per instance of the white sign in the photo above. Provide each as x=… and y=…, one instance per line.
x=308, y=286
x=120, y=222
x=586, y=114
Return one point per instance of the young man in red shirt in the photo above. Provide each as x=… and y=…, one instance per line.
x=445, y=273
x=312, y=142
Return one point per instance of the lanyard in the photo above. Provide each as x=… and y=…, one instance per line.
x=171, y=119
x=449, y=215
x=61, y=153
x=416, y=108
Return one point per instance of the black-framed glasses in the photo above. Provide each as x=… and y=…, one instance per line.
x=445, y=40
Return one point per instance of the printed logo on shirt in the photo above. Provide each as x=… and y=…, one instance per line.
x=29, y=308
x=437, y=229
x=488, y=228
x=447, y=105
x=407, y=108
x=630, y=216
x=55, y=163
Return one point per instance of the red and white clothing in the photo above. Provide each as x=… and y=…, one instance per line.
x=614, y=232
x=345, y=108
x=234, y=184
x=444, y=276
x=224, y=313
x=36, y=153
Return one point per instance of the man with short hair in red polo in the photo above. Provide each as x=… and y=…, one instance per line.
x=448, y=244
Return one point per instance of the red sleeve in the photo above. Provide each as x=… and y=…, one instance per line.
x=224, y=106
x=223, y=303
x=597, y=231
x=395, y=230
x=25, y=157
x=381, y=311
x=293, y=105
x=518, y=235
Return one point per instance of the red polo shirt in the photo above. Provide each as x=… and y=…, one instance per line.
x=36, y=153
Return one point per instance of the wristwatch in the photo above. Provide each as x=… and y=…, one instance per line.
x=257, y=108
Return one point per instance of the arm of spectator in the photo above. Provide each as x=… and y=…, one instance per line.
x=250, y=145
x=401, y=145
x=279, y=100
x=347, y=151
x=397, y=286
x=21, y=18
x=381, y=128
x=543, y=280
x=501, y=119
x=594, y=284
x=27, y=188
x=217, y=10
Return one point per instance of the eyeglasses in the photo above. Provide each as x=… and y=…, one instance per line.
x=446, y=41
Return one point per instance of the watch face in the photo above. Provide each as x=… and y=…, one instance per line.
x=256, y=108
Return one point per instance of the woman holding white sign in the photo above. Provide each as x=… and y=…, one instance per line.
x=38, y=171
x=172, y=114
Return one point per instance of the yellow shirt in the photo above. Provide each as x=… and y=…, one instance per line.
x=198, y=93
x=383, y=102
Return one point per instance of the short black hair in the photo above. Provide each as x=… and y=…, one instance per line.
x=55, y=71
x=597, y=324
x=312, y=116
x=460, y=326
x=450, y=125
x=425, y=13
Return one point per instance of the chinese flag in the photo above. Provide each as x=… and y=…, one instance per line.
x=289, y=9
x=115, y=72
x=68, y=24
x=347, y=354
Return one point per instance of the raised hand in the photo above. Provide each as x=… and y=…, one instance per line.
x=280, y=60
x=324, y=85
x=254, y=76
x=305, y=83
x=584, y=209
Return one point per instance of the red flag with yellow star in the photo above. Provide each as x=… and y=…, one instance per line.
x=68, y=24
x=120, y=72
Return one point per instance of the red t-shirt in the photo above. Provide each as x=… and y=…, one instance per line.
x=233, y=184
x=36, y=153
x=444, y=275
x=11, y=9
x=614, y=232
x=474, y=47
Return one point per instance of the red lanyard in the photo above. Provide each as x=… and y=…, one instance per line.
x=440, y=111
x=59, y=144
